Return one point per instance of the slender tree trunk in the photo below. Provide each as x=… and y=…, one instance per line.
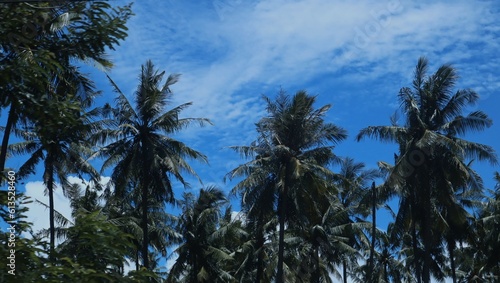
x=50, y=187
x=11, y=119
x=451, y=251
x=144, y=224
x=374, y=230
x=260, y=256
x=416, y=257
x=137, y=259
x=344, y=271
x=386, y=276
x=281, y=245
x=282, y=209
x=315, y=277
x=427, y=234
x=196, y=268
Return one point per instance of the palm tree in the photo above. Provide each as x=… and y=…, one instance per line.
x=141, y=146
x=351, y=183
x=432, y=160
x=257, y=206
x=61, y=143
x=385, y=267
x=478, y=260
x=294, y=146
x=126, y=213
x=202, y=255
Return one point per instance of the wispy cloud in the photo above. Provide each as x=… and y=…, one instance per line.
x=354, y=54
x=226, y=57
x=38, y=212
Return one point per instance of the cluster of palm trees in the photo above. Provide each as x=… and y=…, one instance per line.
x=299, y=220
x=306, y=214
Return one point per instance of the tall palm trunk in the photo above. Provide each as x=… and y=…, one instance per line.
x=344, y=270
x=413, y=209
x=137, y=259
x=49, y=165
x=374, y=230
x=315, y=277
x=281, y=246
x=427, y=234
x=144, y=224
x=451, y=251
x=282, y=207
x=260, y=256
x=386, y=275
x=11, y=119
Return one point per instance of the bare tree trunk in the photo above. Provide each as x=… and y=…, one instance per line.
x=6, y=135
x=260, y=256
x=137, y=259
x=282, y=207
x=418, y=273
x=344, y=270
x=49, y=167
x=374, y=231
x=427, y=234
x=451, y=251
x=315, y=276
x=144, y=224
x=281, y=245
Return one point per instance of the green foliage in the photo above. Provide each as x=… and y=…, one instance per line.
x=202, y=257
x=38, y=45
x=94, y=251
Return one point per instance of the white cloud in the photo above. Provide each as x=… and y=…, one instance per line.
x=38, y=213
x=229, y=49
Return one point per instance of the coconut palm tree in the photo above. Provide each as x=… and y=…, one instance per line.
x=294, y=146
x=126, y=213
x=202, y=256
x=352, y=183
x=478, y=259
x=141, y=147
x=257, y=206
x=431, y=164
x=61, y=143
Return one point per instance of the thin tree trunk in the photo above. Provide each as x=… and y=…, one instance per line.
x=144, y=224
x=50, y=187
x=451, y=250
x=427, y=234
x=374, y=230
x=6, y=135
x=260, y=256
x=418, y=273
x=281, y=245
x=315, y=278
x=193, y=273
x=282, y=207
x=386, y=276
x=137, y=259
x=344, y=271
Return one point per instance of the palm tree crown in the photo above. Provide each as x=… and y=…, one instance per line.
x=293, y=148
x=432, y=163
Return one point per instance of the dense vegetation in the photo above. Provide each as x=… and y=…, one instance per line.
x=300, y=220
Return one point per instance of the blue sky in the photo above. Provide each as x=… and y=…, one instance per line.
x=355, y=55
